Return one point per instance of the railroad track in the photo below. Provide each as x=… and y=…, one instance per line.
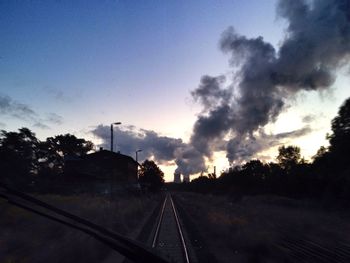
x=169, y=240
x=169, y=237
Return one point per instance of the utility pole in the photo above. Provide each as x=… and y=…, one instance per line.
x=111, y=176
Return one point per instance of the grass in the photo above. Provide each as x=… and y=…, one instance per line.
x=251, y=230
x=26, y=237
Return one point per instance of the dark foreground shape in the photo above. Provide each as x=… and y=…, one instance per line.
x=127, y=247
x=199, y=244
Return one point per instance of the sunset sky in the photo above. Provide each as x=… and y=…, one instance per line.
x=77, y=66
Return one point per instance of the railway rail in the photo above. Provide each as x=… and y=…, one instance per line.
x=168, y=241
x=169, y=238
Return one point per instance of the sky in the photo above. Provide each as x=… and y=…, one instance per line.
x=78, y=66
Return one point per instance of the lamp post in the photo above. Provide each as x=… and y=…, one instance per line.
x=115, y=123
x=137, y=153
x=137, y=169
x=111, y=176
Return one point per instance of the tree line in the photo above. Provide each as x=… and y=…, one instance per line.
x=26, y=162
x=327, y=175
x=29, y=164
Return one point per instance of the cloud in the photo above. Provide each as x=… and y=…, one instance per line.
x=14, y=109
x=166, y=150
x=57, y=94
x=189, y=161
x=210, y=92
x=210, y=128
x=265, y=80
x=294, y=134
x=308, y=118
x=41, y=126
x=153, y=145
x=248, y=146
x=54, y=118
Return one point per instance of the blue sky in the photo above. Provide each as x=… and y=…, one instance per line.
x=64, y=56
x=77, y=64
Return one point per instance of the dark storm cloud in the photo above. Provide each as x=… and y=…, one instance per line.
x=209, y=127
x=164, y=149
x=210, y=92
x=316, y=44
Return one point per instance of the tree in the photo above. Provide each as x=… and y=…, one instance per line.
x=255, y=168
x=332, y=166
x=25, y=160
x=288, y=157
x=55, y=149
x=18, y=157
x=49, y=158
x=68, y=144
x=340, y=138
x=321, y=152
x=151, y=175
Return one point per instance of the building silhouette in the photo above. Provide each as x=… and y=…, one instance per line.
x=103, y=171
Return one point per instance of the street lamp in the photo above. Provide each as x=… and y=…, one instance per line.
x=111, y=179
x=137, y=153
x=115, y=123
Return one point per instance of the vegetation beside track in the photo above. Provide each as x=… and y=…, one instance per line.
x=253, y=228
x=26, y=237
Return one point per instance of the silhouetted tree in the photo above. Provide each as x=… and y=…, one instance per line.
x=322, y=161
x=49, y=158
x=151, y=175
x=18, y=157
x=202, y=184
x=340, y=138
x=55, y=149
x=333, y=166
x=68, y=144
x=255, y=168
x=321, y=152
x=25, y=160
x=288, y=157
